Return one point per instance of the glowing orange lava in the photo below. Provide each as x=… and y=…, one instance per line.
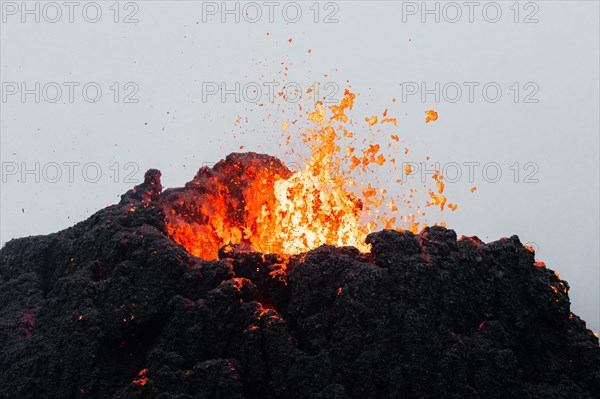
x=258, y=202
x=431, y=116
x=141, y=379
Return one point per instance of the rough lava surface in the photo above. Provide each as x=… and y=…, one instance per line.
x=113, y=308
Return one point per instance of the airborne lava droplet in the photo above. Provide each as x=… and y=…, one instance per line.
x=371, y=120
x=431, y=116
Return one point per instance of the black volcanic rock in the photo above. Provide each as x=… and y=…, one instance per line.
x=113, y=308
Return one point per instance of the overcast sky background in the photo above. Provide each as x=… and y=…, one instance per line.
x=165, y=59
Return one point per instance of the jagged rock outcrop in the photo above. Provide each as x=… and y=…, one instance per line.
x=113, y=308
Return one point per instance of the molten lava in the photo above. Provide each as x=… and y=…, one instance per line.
x=256, y=200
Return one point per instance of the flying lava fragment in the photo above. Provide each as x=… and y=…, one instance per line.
x=431, y=116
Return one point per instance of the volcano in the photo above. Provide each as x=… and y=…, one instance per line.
x=190, y=293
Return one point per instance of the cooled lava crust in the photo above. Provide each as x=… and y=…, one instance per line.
x=114, y=308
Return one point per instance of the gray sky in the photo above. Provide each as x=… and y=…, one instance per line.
x=527, y=106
